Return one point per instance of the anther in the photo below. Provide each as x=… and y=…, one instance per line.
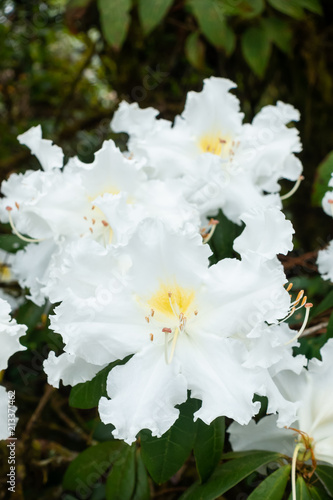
x=195, y=312
x=105, y=223
x=85, y=218
x=166, y=330
x=147, y=319
x=17, y=205
x=152, y=312
x=151, y=337
x=93, y=221
x=289, y=287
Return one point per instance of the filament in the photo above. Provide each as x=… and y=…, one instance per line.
x=294, y=189
x=306, y=317
x=293, y=470
x=15, y=231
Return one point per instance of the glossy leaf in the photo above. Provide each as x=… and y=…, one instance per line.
x=302, y=492
x=223, y=238
x=208, y=446
x=325, y=474
x=289, y=7
x=151, y=12
x=88, y=394
x=195, y=50
x=212, y=21
x=114, y=15
x=273, y=487
x=323, y=175
x=120, y=483
x=142, y=490
x=164, y=456
x=229, y=474
x=87, y=468
x=256, y=48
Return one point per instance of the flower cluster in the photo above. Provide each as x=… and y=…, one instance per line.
x=121, y=245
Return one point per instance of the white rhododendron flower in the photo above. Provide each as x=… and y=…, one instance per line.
x=325, y=262
x=213, y=149
x=312, y=430
x=103, y=200
x=187, y=327
x=10, y=333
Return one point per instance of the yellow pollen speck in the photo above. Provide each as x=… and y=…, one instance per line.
x=5, y=274
x=169, y=299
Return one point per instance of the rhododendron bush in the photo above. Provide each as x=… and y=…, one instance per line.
x=165, y=311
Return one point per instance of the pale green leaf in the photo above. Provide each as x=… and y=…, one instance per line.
x=151, y=12
x=289, y=7
x=195, y=50
x=114, y=15
x=256, y=48
x=212, y=21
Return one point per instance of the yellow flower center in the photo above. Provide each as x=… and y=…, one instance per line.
x=172, y=300
x=217, y=144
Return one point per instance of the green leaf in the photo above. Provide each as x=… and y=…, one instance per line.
x=325, y=474
x=120, y=483
x=256, y=48
x=279, y=32
x=88, y=394
x=312, y=5
x=86, y=469
x=195, y=50
x=229, y=474
x=208, y=446
x=142, y=490
x=323, y=175
x=223, y=238
x=302, y=492
x=325, y=304
x=243, y=8
x=318, y=492
x=11, y=243
x=273, y=487
x=151, y=12
x=211, y=19
x=164, y=456
x=288, y=7
x=115, y=20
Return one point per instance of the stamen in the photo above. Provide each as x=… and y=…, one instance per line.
x=306, y=317
x=212, y=223
x=152, y=312
x=293, y=470
x=15, y=231
x=171, y=305
x=173, y=347
x=294, y=189
x=147, y=319
x=105, y=224
x=195, y=313
x=17, y=205
x=289, y=287
x=151, y=337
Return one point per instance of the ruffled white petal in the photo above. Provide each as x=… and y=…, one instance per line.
x=267, y=233
x=69, y=368
x=10, y=333
x=325, y=262
x=143, y=395
x=49, y=155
